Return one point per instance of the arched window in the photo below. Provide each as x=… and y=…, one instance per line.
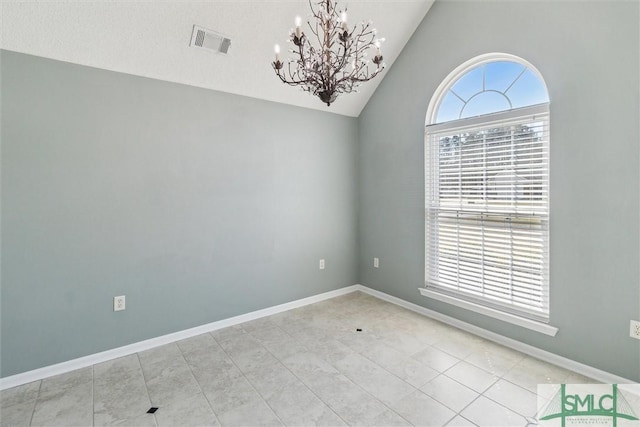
x=487, y=190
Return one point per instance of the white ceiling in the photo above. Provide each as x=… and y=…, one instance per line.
x=151, y=39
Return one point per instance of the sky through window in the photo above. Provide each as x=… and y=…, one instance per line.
x=490, y=88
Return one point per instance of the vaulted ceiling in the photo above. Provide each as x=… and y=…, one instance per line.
x=151, y=39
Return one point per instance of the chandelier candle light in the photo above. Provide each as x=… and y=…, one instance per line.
x=338, y=63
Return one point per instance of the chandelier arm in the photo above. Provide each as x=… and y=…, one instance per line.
x=301, y=54
x=368, y=77
x=341, y=61
x=346, y=46
x=286, y=80
x=289, y=82
x=319, y=19
x=315, y=32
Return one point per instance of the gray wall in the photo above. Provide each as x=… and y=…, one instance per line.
x=196, y=205
x=588, y=53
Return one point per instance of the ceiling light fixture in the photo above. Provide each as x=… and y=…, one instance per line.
x=338, y=62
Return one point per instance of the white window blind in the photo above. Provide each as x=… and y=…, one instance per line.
x=487, y=210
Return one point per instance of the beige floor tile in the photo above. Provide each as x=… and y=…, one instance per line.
x=514, y=397
x=458, y=345
x=358, y=341
x=17, y=404
x=254, y=413
x=213, y=371
x=20, y=395
x=530, y=372
x=495, y=359
x=239, y=345
x=390, y=419
x=450, y=393
x=486, y=412
x=410, y=370
x=17, y=415
x=329, y=349
x=144, y=420
x=171, y=384
x=377, y=381
x=253, y=360
x=231, y=395
x=168, y=376
x=65, y=400
x=471, y=376
x=272, y=379
x=421, y=410
x=350, y=402
x=229, y=333
x=119, y=391
x=459, y=421
x=296, y=405
x=404, y=342
x=311, y=369
x=198, y=344
x=281, y=349
x=161, y=357
x=436, y=359
x=193, y=411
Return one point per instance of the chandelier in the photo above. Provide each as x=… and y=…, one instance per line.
x=332, y=59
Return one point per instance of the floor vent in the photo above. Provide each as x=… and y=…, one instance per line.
x=210, y=40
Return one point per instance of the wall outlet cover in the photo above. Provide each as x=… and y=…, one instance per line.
x=634, y=331
x=119, y=303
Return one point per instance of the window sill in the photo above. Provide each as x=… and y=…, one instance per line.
x=496, y=314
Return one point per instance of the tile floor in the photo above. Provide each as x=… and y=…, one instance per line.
x=308, y=366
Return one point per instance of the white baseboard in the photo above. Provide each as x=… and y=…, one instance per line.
x=563, y=362
x=83, y=362
x=92, y=359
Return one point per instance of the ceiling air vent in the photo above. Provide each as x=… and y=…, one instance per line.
x=209, y=40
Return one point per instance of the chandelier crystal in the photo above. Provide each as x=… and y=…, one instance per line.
x=333, y=58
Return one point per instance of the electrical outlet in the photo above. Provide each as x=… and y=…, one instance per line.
x=634, y=331
x=321, y=264
x=118, y=303
x=376, y=262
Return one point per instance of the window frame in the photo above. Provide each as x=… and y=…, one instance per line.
x=469, y=303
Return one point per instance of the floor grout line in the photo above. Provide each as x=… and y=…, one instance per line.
x=198, y=382
x=144, y=380
x=35, y=403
